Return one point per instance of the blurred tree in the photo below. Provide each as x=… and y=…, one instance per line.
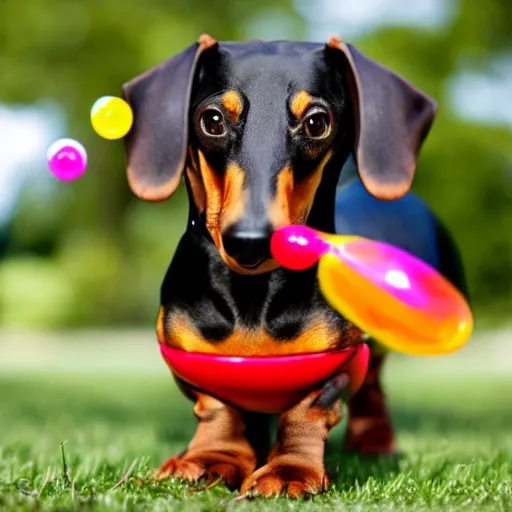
x=107, y=251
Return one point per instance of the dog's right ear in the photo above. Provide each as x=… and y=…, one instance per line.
x=391, y=120
x=156, y=146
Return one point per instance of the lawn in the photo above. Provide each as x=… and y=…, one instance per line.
x=85, y=418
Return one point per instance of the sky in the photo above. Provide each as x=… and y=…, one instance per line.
x=355, y=17
x=26, y=132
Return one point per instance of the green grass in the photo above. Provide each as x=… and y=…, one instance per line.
x=117, y=410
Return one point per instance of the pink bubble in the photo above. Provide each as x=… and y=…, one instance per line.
x=297, y=247
x=67, y=159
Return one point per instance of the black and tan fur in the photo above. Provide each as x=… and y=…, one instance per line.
x=260, y=132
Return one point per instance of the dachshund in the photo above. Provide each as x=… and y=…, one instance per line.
x=261, y=131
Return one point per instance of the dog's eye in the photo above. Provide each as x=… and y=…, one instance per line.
x=317, y=125
x=212, y=123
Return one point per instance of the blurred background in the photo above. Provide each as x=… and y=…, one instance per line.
x=81, y=263
x=89, y=254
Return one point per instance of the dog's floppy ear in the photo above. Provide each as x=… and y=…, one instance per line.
x=156, y=146
x=392, y=118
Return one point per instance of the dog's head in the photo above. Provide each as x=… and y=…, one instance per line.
x=254, y=125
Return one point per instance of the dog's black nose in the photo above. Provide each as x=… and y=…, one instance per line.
x=248, y=248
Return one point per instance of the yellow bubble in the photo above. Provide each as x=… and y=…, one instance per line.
x=111, y=117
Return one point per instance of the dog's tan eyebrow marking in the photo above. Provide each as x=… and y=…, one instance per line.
x=300, y=103
x=232, y=104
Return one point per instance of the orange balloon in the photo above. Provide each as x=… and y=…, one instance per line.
x=395, y=297
x=442, y=324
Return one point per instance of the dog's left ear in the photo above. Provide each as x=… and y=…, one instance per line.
x=392, y=119
x=156, y=146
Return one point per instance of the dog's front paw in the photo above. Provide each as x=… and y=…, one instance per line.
x=180, y=468
x=209, y=466
x=288, y=475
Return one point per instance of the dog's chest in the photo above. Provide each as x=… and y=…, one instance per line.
x=278, y=313
x=179, y=330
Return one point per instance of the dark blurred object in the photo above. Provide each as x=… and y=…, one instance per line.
x=407, y=223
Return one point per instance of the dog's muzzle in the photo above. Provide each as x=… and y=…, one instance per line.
x=248, y=248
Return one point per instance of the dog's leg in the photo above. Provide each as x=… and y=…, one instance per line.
x=295, y=465
x=219, y=447
x=369, y=428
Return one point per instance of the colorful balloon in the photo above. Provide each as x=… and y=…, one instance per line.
x=67, y=159
x=111, y=117
x=393, y=296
